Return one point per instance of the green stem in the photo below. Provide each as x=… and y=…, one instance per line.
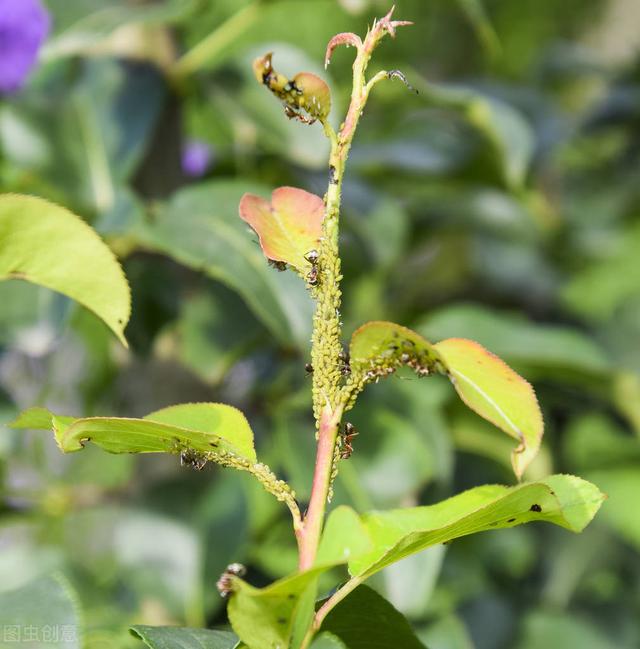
x=309, y=534
x=326, y=341
x=329, y=397
x=216, y=41
x=324, y=610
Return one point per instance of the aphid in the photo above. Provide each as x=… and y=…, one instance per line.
x=225, y=583
x=346, y=437
x=278, y=265
x=193, y=459
x=308, y=368
x=536, y=508
x=312, y=257
x=333, y=177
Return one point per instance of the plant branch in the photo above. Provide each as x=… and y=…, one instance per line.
x=309, y=535
x=326, y=348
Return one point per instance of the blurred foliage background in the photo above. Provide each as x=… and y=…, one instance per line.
x=501, y=204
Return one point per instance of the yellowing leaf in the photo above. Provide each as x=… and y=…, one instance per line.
x=289, y=227
x=484, y=382
x=492, y=389
x=46, y=244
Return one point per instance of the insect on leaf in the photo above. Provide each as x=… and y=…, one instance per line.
x=288, y=227
x=202, y=427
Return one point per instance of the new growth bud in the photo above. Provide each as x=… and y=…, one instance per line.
x=305, y=91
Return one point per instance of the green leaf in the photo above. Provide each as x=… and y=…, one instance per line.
x=492, y=389
x=479, y=20
x=536, y=347
x=327, y=641
x=203, y=427
x=344, y=536
x=289, y=227
x=597, y=291
x=200, y=228
x=268, y=617
x=365, y=620
x=447, y=632
x=214, y=331
x=564, y=500
x=79, y=32
x=47, y=609
x=46, y=244
x=167, y=637
x=543, y=630
x=622, y=486
x=502, y=125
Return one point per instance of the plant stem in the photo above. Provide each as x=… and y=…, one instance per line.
x=328, y=396
x=326, y=339
x=216, y=41
x=309, y=535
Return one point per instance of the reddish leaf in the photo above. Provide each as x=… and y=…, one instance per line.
x=288, y=227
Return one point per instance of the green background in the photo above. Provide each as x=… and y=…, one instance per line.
x=501, y=203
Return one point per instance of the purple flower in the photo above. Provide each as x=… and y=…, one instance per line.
x=196, y=158
x=24, y=24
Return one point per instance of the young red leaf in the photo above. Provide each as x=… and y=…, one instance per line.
x=289, y=227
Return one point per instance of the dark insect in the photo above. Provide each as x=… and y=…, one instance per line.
x=346, y=437
x=308, y=368
x=312, y=257
x=535, y=508
x=511, y=520
x=333, y=177
x=294, y=114
x=278, y=265
x=312, y=277
x=225, y=583
x=345, y=368
x=193, y=459
x=396, y=74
